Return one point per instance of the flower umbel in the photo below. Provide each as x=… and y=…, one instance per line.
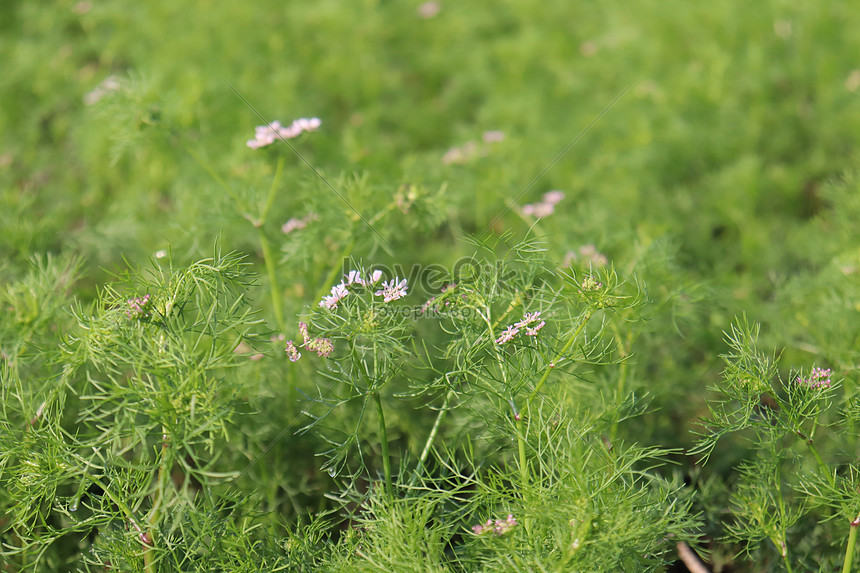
x=498, y=527
x=529, y=323
x=322, y=346
x=392, y=290
x=303, y=331
x=138, y=307
x=591, y=284
x=483, y=528
x=267, y=134
x=508, y=335
x=818, y=378
x=292, y=352
x=503, y=527
x=546, y=207
x=338, y=292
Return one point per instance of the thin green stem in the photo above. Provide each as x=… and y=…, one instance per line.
x=521, y=435
x=431, y=438
x=268, y=258
x=849, y=550
x=586, y=316
x=622, y=377
x=383, y=437
x=831, y=478
x=785, y=560
x=780, y=543
x=521, y=447
x=273, y=189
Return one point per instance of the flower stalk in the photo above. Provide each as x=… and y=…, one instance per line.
x=849, y=549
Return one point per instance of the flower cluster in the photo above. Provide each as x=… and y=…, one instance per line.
x=433, y=303
x=293, y=352
x=591, y=284
x=498, y=527
x=391, y=290
x=818, y=378
x=267, y=134
x=531, y=323
x=546, y=207
x=295, y=224
x=138, y=307
x=338, y=292
x=322, y=346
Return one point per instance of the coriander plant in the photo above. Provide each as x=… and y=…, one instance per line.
x=797, y=491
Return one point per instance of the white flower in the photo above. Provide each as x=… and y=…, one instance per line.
x=374, y=277
x=392, y=290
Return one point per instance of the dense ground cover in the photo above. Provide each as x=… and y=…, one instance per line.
x=155, y=272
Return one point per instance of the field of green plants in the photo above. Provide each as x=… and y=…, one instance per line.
x=444, y=286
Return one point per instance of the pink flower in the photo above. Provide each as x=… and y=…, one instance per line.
x=533, y=330
x=508, y=335
x=267, y=134
x=338, y=292
x=818, y=378
x=539, y=210
x=429, y=9
x=503, y=527
x=393, y=290
x=546, y=207
x=528, y=319
x=138, y=307
x=354, y=277
x=322, y=346
x=498, y=527
x=292, y=352
x=483, y=528
x=295, y=224
x=553, y=197
x=303, y=330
